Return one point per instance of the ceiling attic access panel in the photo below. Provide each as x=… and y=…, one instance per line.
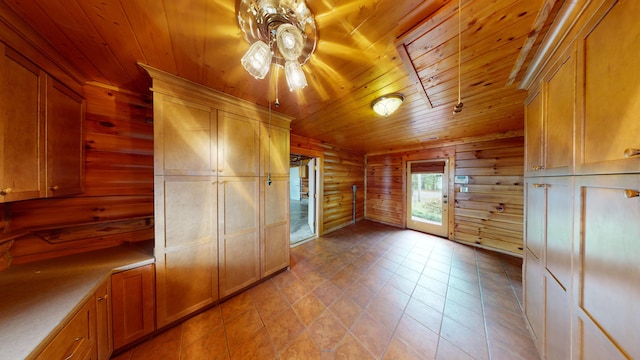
x=497, y=40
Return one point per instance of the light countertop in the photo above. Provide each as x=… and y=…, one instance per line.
x=37, y=299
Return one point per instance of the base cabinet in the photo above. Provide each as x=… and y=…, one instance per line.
x=77, y=340
x=133, y=305
x=104, y=325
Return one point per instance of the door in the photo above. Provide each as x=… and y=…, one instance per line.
x=311, y=210
x=427, y=196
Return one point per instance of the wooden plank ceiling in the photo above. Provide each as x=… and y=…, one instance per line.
x=366, y=48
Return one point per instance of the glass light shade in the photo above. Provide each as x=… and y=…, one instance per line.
x=257, y=60
x=290, y=41
x=295, y=76
x=387, y=104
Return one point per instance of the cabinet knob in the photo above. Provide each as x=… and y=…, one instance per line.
x=631, y=152
x=537, y=168
x=54, y=188
x=6, y=191
x=539, y=185
x=631, y=194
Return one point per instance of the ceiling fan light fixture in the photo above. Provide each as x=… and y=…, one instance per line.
x=295, y=76
x=387, y=104
x=257, y=60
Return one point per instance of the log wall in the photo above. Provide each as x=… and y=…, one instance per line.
x=117, y=204
x=489, y=215
x=340, y=170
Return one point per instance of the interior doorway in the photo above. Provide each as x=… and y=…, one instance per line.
x=427, y=196
x=303, y=179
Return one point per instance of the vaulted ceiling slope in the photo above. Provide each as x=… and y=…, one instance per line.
x=366, y=48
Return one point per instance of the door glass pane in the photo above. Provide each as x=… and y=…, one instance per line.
x=426, y=198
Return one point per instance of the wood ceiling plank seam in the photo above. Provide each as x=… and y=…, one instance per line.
x=186, y=30
x=110, y=22
x=74, y=22
x=148, y=21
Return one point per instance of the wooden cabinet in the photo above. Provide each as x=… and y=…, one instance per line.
x=104, y=328
x=582, y=230
x=186, y=245
x=21, y=127
x=64, y=147
x=608, y=140
x=607, y=255
x=211, y=223
x=239, y=233
x=133, y=305
x=77, y=340
x=550, y=121
x=41, y=138
x=275, y=229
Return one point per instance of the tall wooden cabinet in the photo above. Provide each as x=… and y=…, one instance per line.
x=216, y=233
x=581, y=269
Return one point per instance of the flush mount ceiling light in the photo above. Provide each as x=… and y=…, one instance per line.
x=281, y=32
x=387, y=104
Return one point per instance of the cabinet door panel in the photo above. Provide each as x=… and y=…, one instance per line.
x=133, y=305
x=275, y=241
x=611, y=78
x=65, y=160
x=21, y=128
x=183, y=137
x=238, y=145
x=610, y=286
x=559, y=228
x=239, y=239
x=561, y=92
x=557, y=321
x=535, y=216
x=186, y=245
x=274, y=148
x=533, y=130
x=534, y=296
x=593, y=344
x=104, y=338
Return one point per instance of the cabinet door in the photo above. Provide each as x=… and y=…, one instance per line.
x=534, y=135
x=275, y=237
x=274, y=150
x=534, y=296
x=184, y=137
x=104, y=337
x=133, y=305
x=559, y=119
x=21, y=128
x=559, y=228
x=611, y=75
x=76, y=340
x=609, y=288
x=65, y=160
x=239, y=239
x=557, y=320
x=535, y=216
x=238, y=145
x=185, y=246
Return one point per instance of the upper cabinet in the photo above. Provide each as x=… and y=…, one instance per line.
x=21, y=128
x=238, y=145
x=41, y=132
x=550, y=121
x=609, y=129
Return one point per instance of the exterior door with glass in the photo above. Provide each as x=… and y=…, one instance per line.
x=427, y=196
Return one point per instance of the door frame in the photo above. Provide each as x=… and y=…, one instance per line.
x=319, y=156
x=450, y=167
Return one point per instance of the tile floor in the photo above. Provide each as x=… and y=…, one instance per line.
x=367, y=291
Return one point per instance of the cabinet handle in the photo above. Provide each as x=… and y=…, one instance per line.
x=538, y=168
x=102, y=298
x=6, y=191
x=54, y=188
x=75, y=348
x=631, y=152
x=539, y=185
x=631, y=193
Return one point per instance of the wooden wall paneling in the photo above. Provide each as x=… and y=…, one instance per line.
x=340, y=169
x=385, y=189
x=118, y=166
